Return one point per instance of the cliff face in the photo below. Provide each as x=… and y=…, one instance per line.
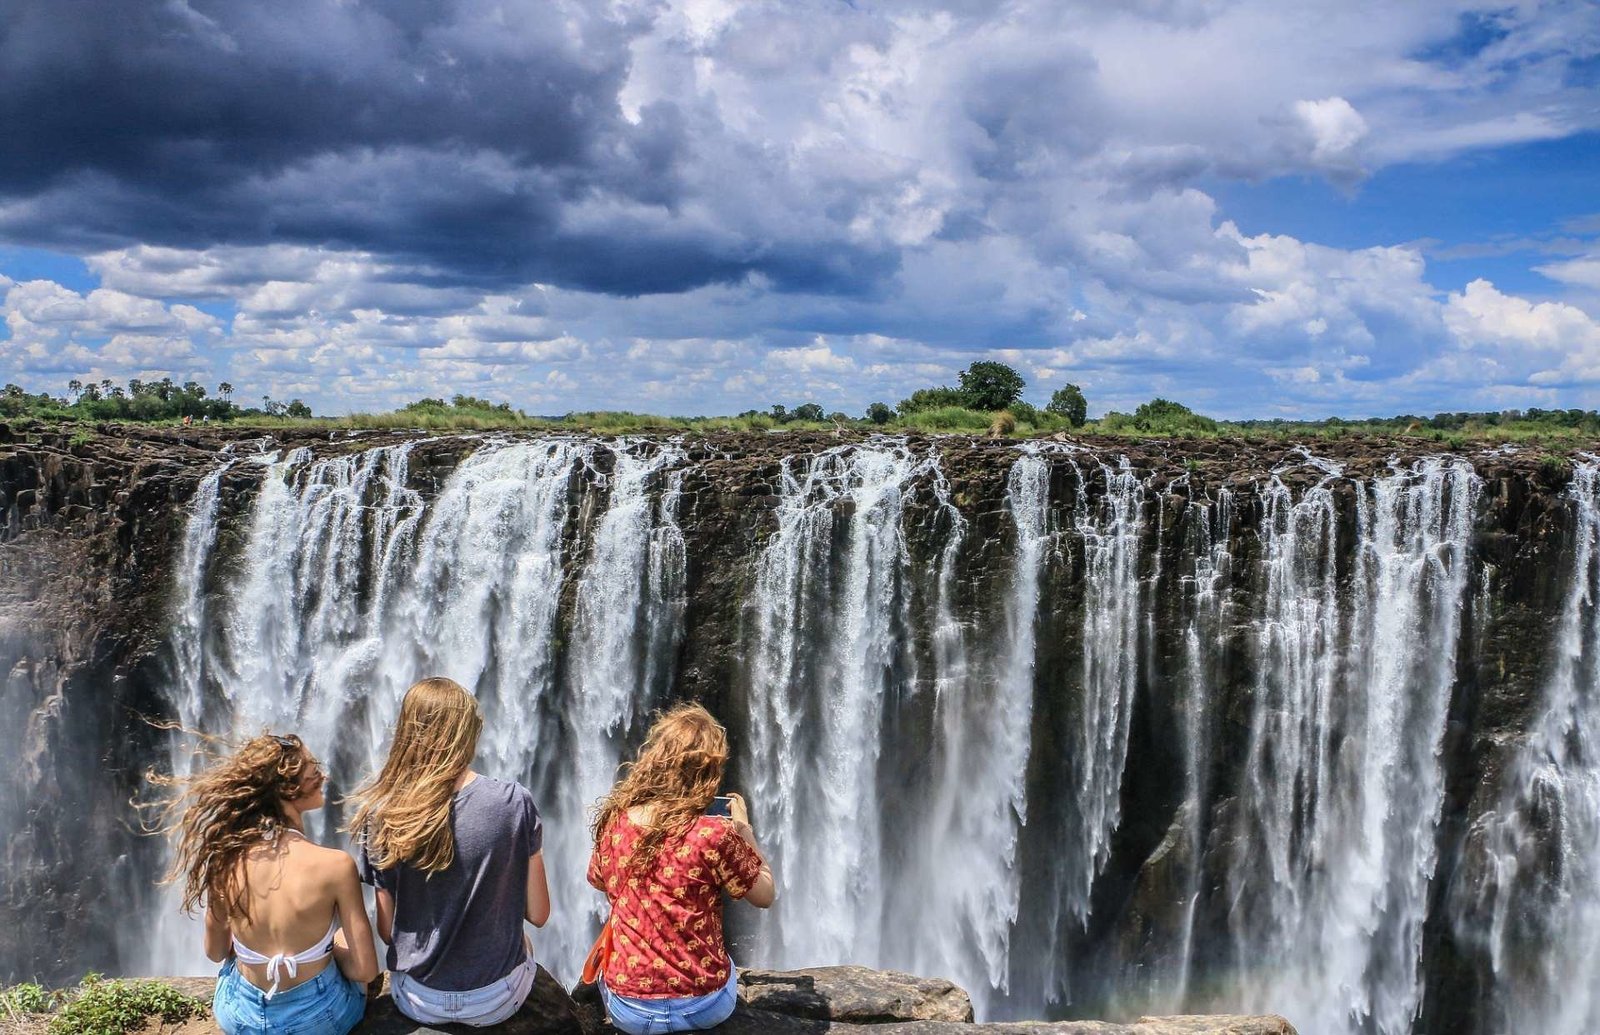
x=1211, y=643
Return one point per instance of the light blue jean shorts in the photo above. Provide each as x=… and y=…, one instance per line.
x=328, y=1004
x=660, y=1016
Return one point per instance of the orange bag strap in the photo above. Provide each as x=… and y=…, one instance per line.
x=599, y=954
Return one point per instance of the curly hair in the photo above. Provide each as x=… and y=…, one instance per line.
x=403, y=814
x=219, y=814
x=677, y=773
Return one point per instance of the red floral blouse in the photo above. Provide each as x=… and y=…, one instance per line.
x=666, y=925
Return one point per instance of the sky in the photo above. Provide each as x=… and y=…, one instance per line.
x=1261, y=208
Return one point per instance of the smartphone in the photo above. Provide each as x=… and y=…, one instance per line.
x=721, y=805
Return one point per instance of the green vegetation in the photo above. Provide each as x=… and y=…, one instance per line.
x=1159, y=417
x=1068, y=403
x=990, y=386
x=101, y=1007
x=152, y=401
x=936, y=410
x=27, y=998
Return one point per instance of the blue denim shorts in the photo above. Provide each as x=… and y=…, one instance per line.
x=661, y=1016
x=328, y=1004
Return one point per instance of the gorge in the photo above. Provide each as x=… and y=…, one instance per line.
x=1092, y=727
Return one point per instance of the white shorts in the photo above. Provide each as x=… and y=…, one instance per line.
x=490, y=1004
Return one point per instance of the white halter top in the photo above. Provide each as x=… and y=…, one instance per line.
x=283, y=961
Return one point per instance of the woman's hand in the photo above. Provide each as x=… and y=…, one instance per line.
x=737, y=810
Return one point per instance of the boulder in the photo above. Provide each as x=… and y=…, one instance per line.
x=854, y=995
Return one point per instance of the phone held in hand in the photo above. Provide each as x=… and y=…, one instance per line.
x=721, y=805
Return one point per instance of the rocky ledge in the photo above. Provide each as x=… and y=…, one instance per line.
x=839, y=1000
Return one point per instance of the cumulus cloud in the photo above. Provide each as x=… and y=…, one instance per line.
x=659, y=204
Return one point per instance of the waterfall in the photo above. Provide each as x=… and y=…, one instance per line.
x=828, y=599
x=1545, y=920
x=629, y=612
x=1344, y=786
x=352, y=586
x=968, y=841
x=942, y=680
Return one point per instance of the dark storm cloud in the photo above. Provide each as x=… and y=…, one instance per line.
x=459, y=135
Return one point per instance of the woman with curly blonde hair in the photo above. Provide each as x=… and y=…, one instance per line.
x=663, y=864
x=283, y=915
x=457, y=861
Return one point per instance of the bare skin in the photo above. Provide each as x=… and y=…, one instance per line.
x=538, y=911
x=296, y=889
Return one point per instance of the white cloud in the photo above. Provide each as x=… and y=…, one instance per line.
x=1583, y=273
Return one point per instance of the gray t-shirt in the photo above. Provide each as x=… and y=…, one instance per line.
x=461, y=928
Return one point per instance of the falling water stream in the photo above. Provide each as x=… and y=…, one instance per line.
x=553, y=576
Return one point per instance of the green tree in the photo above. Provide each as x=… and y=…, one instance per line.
x=226, y=391
x=987, y=385
x=780, y=413
x=1068, y=402
x=809, y=411
x=74, y=388
x=932, y=399
x=296, y=408
x=880, y=413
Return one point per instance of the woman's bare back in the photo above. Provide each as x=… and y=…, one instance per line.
x=293, y=897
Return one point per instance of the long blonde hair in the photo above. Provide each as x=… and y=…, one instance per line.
x=677, y=773
x=219, y=814
x=403, y=815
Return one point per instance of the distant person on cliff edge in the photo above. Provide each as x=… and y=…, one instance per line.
x=283, y=916
x=663, y=864
x=457, y=862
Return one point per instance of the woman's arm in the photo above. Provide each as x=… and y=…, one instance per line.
x=385, y=903
x=352, y=944
x=538, y=891
x=764, y=891
x=219, y=936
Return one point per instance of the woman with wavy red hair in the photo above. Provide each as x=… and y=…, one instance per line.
x=664, y=865
x=283, y=915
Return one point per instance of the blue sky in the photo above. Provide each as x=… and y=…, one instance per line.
x=1259, y=207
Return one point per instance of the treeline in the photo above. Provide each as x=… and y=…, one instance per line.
x=984, y=391
x=141, y=401
x=1587, y=421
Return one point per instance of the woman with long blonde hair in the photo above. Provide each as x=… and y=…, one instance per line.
x=457, y=861
x=664, y=864
x=283, y=915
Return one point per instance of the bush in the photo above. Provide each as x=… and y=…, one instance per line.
x=933, y=399
x=101, y=1007
x=987, y=385
x=1068, y=402
x=1002, y=425
x=947, y=418
x=28, y=998
x=810, y=412
x=880, y=413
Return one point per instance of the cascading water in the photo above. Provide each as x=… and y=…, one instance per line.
x=1299, y=637
x=1344, y=786
x=828, y=600
x=352, y=588
x=1544, y=923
